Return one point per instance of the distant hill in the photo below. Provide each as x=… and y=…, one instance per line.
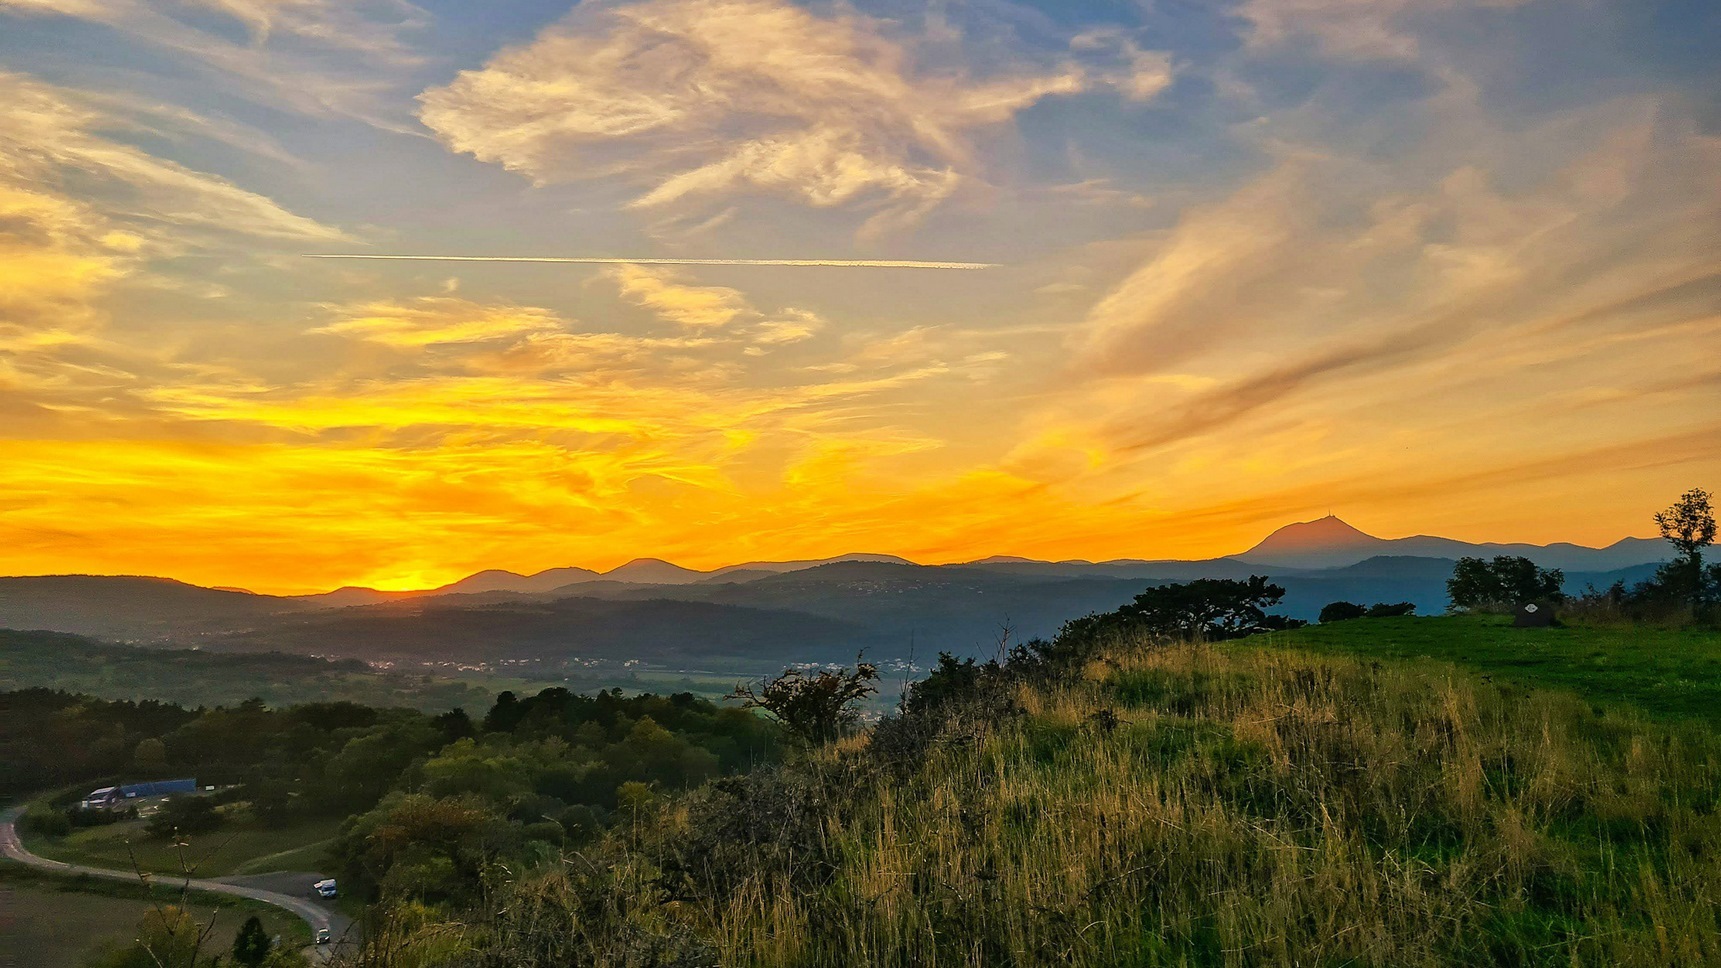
x=679, y=633
x=654, y=571
x=765, y=612
x=131, y=608
x=497, y=580
x=1331, y=543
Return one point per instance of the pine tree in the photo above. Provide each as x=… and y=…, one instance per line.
x=251, y=947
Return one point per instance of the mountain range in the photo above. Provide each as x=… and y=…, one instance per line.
x=757, y=614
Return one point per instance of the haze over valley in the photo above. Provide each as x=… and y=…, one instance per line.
x=755, y=617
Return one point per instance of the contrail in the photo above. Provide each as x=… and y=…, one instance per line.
x=608, y=260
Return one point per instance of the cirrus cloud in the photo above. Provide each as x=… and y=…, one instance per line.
x=700, y=99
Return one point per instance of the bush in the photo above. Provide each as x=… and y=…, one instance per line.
x=45, y=821
x=1395, y=610
x=816, y=708
x=1341, y=612
x=80, y=817
x=184, y=815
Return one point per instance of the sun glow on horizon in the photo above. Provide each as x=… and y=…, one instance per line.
x=1222, y=269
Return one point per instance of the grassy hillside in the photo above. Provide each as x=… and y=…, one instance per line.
x=1183, y=806
x=1669, y=673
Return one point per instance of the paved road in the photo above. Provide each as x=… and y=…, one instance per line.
x=312, y=913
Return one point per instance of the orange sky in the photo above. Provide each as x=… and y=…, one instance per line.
x=1340, y=260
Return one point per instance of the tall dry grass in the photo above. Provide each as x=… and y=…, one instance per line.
x=1183, y=806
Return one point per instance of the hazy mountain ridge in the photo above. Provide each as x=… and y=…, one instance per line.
x=765, y=611
x=1331, y=543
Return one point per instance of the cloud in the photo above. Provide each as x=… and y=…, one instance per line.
x=81, y=215
x=317, y=57
x=435, y=320
x=705, y=99
x=50, y=134
x=697, y=307
x=1359, y=29
x=710, y=308
x=1139, y=75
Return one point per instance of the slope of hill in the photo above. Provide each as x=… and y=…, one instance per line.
x=497, y=580
x=129, y=608
x=1331, y=543
x=654, y=571
x=679, y=633
x=1177, y=806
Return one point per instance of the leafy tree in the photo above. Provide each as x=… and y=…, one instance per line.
x=1209, y=608
x=816, y=708
x=251, y=946
x=1689, y=526
x=184, y=815
x=1341, y=612
x=150, y=755
x=1502, y=584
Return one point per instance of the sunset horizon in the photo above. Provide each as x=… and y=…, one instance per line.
x=299, y=294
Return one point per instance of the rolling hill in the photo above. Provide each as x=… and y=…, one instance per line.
x=758, y=612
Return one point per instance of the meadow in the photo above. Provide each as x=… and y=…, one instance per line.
x=244, y=848
x=1185, y=805
x=1668, y=673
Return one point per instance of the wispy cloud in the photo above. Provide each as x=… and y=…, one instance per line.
x=320, y=57
x=707, y=99
x=48, y=134
x=436, y=320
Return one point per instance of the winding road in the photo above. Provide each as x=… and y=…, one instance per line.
x=316, y=915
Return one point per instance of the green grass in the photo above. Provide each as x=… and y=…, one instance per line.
x=55, y=922
x=1181, y=806
x=246, y=848
x=1668, y=673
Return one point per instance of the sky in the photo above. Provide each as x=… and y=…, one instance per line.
x=1437, y=266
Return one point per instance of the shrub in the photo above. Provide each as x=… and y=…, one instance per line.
x=817, y=708
x=184, y=815
x=1341, y=612
x=1394, y=610
x=46, y=821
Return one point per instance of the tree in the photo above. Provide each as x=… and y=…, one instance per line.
x=816, y=708
x=1393, y=610
x=1341, y=612
x=1689, y=525
x=251, y=946
x=1209, y=608
x=184, y=815
x=150, y=755
x=1502, y=584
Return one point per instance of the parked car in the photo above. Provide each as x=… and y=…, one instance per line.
x=325, y=887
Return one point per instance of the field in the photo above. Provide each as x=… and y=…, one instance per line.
x=1668, y=673
x=194, y=678
x=241, y=849
x=1185, y=806
x=48, y=922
